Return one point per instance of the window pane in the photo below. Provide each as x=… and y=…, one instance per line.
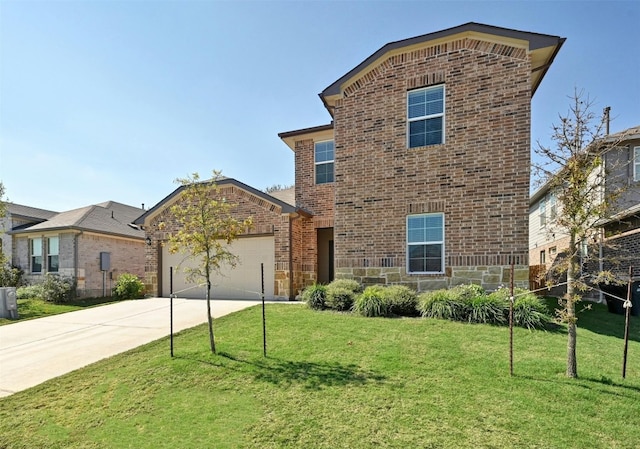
x=53, y=263
x=36, y=264
x=324, y=173
x=324, y=151
x=54, y=246
x=36, y=247
x=425, y=132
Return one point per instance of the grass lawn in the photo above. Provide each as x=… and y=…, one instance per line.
x=341, y=381
x=38, y=308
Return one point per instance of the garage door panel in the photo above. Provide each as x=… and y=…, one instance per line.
x=242, y=282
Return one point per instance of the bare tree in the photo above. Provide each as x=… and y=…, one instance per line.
x=206, y=228
x=575, y=174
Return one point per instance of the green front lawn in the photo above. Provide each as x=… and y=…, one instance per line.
x=340, y=381
x=38, y=308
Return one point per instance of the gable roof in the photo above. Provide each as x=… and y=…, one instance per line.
x=542, y=47
x=28, y=212
x=110, y=218
x=286, y=207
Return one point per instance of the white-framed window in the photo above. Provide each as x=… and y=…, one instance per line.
x=542, y=210
x=553, y=207
x=36, y=255
x=425, y=243
x=53, y=254
x=324, y=160
x=636, y=164
x=543, y=258
x=425, y=116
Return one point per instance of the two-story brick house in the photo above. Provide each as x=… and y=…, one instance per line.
x=422, y=177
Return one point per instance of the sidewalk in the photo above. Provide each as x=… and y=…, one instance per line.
x=34, y=351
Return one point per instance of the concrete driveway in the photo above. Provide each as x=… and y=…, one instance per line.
x=37, y=350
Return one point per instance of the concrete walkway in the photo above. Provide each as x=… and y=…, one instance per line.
x=34, y=351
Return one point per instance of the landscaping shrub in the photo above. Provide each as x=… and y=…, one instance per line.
x=401, y=300
x=339, y=298
x=11, y=276
x=58, y=289
x=30, y=291
x=486, y=309
x=372, y=302
x=467, y=292
x=440, y=304
x=315, y=296
x=528, y=310
x=349, y=284
x=128, y=286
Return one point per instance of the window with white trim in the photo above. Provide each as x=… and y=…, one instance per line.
x=425, y=116
x=636, y=164
x=542, y=210
x=323, y=154
x=36, y=255
x=425, y=243
x=53, y=254
x=553, y=207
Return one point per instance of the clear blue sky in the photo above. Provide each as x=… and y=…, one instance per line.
x=113, y=100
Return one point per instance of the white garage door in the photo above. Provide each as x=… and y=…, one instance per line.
x=241, y=282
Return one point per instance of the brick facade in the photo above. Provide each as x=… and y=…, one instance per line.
x=478, y=177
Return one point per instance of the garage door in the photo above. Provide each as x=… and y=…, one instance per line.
x=242, y=282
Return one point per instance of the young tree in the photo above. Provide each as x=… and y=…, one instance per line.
x=574, y=172
x=206, y=228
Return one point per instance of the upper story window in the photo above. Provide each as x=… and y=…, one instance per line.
x=425, y=114
x=636, y=164
x=542, y=209
x=53, y=254
x=324, y=161
x=425, y=243
x=553, y=207
x=36, y=255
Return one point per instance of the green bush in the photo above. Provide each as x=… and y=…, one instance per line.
x=11, y=276
x=467, y=292
x=58, y=289
x=372, y=302
x=128, y=286
x=339, y=298
x=349, y=284
x=531, y=312
x=401, y=300
x=440, y=304
x=486, y=309
x=30, y=291
x=315, y=296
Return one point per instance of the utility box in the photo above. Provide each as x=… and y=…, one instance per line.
x=105, y=261
x=8, y=303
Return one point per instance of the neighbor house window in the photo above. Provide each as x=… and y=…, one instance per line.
x=425, y=114
x=36, y=255
x=53, y=252
x=636, y=164
x=324, y=162
x=543, y=258
x=553, y=207
x=425, y=243
x=542, y=209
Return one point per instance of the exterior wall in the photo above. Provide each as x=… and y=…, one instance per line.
x=126, y=254
x=545, y=237
x=479, y=177
x=619, y=174
x=267, y=218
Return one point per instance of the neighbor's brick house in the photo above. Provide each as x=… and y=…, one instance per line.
x=422, y=177
x=70, y=244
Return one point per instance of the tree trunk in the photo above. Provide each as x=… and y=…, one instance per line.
x=212, y=341
x=570, y=311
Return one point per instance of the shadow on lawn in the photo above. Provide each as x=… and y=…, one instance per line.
x=310, y=375
x=596, y=318
x=589, y=383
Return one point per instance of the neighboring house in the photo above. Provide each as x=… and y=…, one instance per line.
x=622, y=232
x=93, y=245
x=18, y=216
x=546, y=240
x=621, y=245
x=265, y=248
x=422, y=177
